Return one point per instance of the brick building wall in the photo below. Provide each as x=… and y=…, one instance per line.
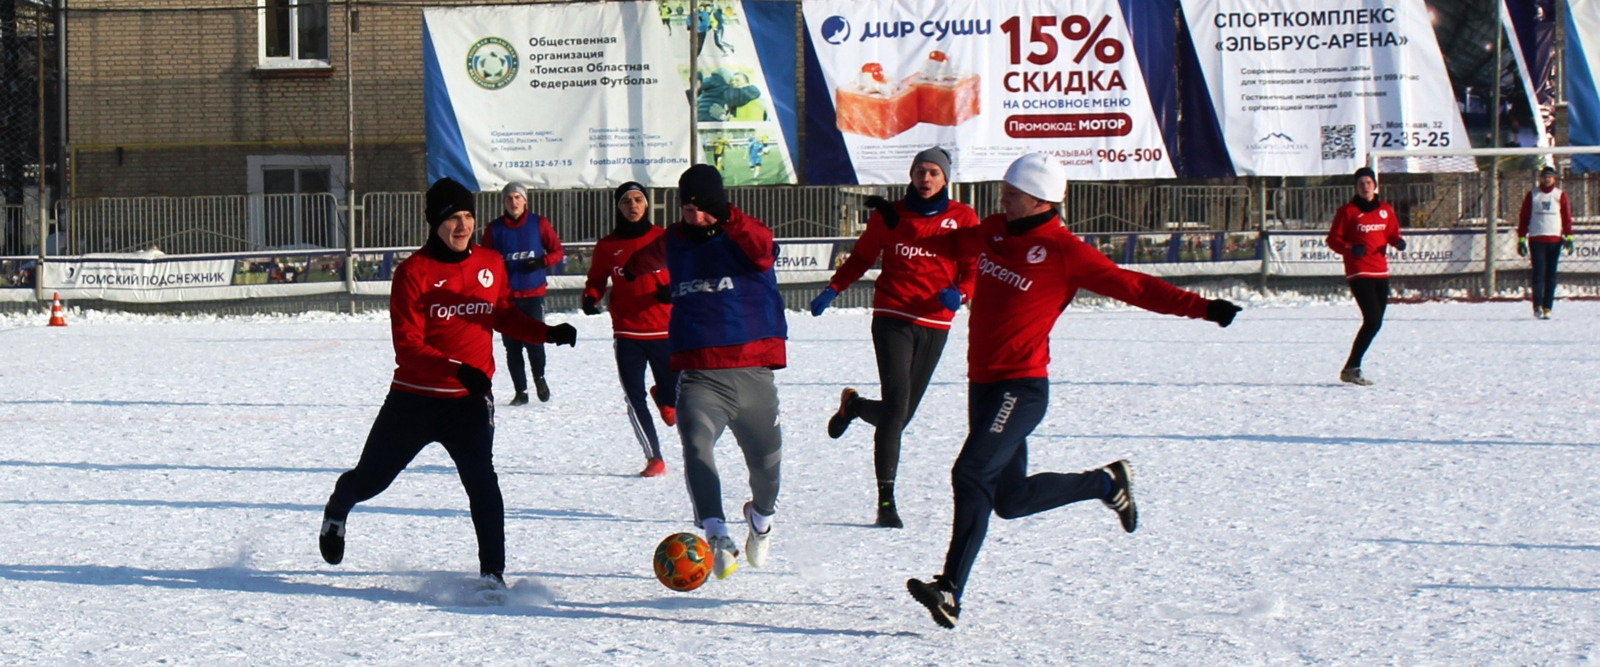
x=167, y=100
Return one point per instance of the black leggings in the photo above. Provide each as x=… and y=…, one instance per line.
x=407, y=423
x=907, y=355
x=1372, y=295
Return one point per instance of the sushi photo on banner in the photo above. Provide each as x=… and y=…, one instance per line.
x=988, y=80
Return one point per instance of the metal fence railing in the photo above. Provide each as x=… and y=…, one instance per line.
x=248, y=223
x=198, y=225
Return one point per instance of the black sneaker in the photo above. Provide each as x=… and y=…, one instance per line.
x=542, y=389
x=1121, y=498
x=887, y=516
x=520, y=399
x=938, y=597
x=849, y=409
x=331, y=541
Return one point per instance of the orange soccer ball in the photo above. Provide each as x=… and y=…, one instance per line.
x=683, y=562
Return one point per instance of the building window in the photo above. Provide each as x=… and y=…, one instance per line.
x=294, y=201
x=294, y=33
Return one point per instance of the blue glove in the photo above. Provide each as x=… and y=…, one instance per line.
x=951, y=298
x=1399, y=244
x=1358, y=251
x=823, y=300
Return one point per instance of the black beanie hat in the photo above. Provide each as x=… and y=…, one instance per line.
x=447, y=198
x=1368, y=172
x=701, y=186
x=625, y=188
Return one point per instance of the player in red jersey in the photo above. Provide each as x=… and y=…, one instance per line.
x=639, y=317
x=1029, y=269
x=925, y=278
x=1361, y=229
x=445, y=300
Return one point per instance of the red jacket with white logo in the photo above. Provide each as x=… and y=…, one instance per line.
x=635, y=311
x=442, y=315
x=1376, y=230
x=921, y=257
x=1024, y=283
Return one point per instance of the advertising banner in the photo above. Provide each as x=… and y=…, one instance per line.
x=1583, y=93
x=590, y=95
x=1306, y=88
x=989, y=81
x=1435, y=253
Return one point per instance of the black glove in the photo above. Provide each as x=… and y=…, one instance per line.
x=1358, y=251
x=473, y=379
x=718, y=211
x=886, y=209
x=562, y=334
x=1222, y=311
x=1399, y=244
x=591, y=305
x=664, y=293
x=533, y=264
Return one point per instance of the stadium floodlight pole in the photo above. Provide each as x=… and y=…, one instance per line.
x=693, y=24
x=1493, y=227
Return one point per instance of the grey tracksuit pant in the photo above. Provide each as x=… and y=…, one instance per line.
x=745, y=401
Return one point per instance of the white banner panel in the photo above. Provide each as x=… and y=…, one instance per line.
x=134, y=279
x=1434, y=253
x=1307, y=87
x=990, y=81
x=558, y=95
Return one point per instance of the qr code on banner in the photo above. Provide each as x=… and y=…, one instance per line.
x=1338, y=142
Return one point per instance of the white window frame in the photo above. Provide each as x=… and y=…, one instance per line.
x=255, y=185
x=293, y=60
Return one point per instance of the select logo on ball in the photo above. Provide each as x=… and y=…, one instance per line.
x=492, y=63
x=683, y=562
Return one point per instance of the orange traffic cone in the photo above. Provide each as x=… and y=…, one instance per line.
x=56, y=320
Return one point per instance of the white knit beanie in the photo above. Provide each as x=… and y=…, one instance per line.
x=1040, y=175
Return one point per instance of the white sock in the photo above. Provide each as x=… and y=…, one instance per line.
x=714, y=527
x=760, y=522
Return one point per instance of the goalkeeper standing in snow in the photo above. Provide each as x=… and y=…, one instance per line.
x=445, y=300
x=1029, y=269
x=1544, y=229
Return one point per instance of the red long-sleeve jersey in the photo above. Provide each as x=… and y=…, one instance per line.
x=442, y=314
x=635, y=311
x=1024, y=283
x=922, y=256
x=553, y=252
x=1375, y=230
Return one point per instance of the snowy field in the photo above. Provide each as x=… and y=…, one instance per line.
x=162, y=480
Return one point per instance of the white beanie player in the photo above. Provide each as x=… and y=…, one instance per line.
x=1040, y=175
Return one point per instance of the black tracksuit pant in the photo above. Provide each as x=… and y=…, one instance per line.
x=532, y=306
x=633, y=355
x=991, y=473
x=407, y=423
x=907, y=354
x=1372, y=296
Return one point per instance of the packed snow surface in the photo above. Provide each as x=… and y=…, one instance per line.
x=162, y=480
